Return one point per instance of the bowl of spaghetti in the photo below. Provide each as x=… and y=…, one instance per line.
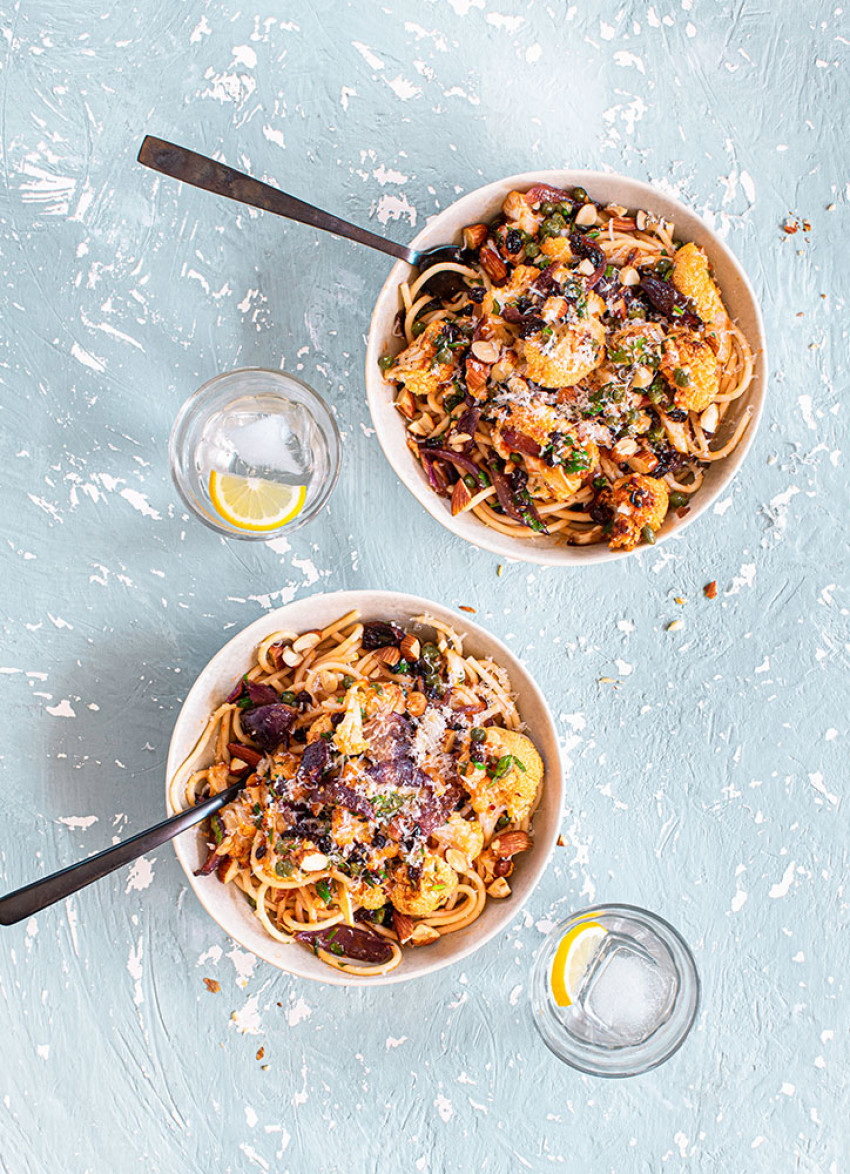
x=589, y=386
x=402, y=793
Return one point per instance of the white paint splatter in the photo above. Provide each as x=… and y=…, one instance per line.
x=817, y=782
x=247, y=1018
x=245, y=55
x=298, y=1012
x=781, y=888
x=371, y=59
x=134, y=969
x=77, y=821
x=392, y=1042
x=63, y=709
x=139, y=502
x=243, y=964
x=141, y=875
x=87, y=358
x=444, y=1107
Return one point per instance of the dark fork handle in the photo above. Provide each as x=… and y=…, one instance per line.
x=212, y=176
x=41, y=893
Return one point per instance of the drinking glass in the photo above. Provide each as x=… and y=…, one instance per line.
x=614, y=990
x=266, y=427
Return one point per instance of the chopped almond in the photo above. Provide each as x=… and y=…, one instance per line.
x=212, y=986
x=710, y=589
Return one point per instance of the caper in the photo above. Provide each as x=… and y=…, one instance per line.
x=444, y=355
x=385, y=362
x=648, y=535
x=532, y=249
x=547, y=209
x=654, y=394
x=470, y=482
x=551, y=226
x=580, y=195
x=566, y=209
x=677, y=500
x=618, y=395
x=655, y=435
x=663, y=267
x=417, y=328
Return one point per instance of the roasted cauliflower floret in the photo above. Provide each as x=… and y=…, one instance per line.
x=635, y=501
x=348, y=736
x=436, y=884
x=464, y=835
x=520, y=280
x=566, y=355
x=519, y=213
x=557, y=247
x=691, y=276
x=416, y=368
x=367, y=896
x=690, y=367
x=510, y=780
x=541, y=423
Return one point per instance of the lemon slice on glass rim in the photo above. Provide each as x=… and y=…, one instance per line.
x=254, y=503
x=572, y=958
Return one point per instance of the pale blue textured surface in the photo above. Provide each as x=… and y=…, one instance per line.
x=709, y=783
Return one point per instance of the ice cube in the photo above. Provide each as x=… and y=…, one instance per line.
x=629, y=995
x=262, y=436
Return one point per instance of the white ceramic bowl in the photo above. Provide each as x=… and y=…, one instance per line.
x=485, y=203
x=227, y=905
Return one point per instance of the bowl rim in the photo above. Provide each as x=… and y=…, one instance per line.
x=490, y=540
x=505, y=913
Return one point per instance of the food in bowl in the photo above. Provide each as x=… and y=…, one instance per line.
x=574, y=384
x=388, y=788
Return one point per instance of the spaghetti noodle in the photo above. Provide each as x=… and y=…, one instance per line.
x=576, y=382
x=388, y=788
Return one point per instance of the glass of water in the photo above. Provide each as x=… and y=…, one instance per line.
x=614, y=990
x=254, y=453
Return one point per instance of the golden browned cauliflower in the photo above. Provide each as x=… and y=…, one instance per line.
x=520, y=280
x=437, y=882
x=635, y=501
x=691, y=277
x=690, y=367
x=539, y=421
x=566, y=355
x=519, y=212
x=556, y=247
x=518, y=770
x=464, y=835
x=415, y=367
x=367, y=896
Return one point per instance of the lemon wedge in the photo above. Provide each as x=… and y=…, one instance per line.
x=572, y=959
x=253, y=503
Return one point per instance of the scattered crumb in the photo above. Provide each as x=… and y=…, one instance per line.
x=265, y=1067
x=680, y=599
x=260, y=1053
x=830, y=207
x=561, y=843
x=463, y=607
x=675, y=625
x=499, y=570
x=710, y=589
x=212, y=986
x=608, y=681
